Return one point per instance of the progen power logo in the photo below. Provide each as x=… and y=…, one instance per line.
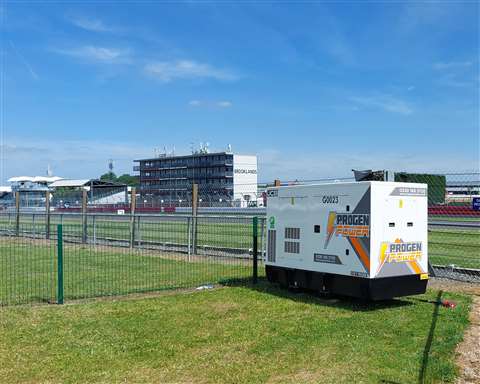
x=400, y=251
x=348, y=225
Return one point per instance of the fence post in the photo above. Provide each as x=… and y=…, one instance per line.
x=17, y=213
x=94, y=222
x=133, y=203
x=139, y=233
x=262, y=237
x=60, y=264
x=84, y=216
x=47, y=217
x=255, y=250
x=189, y=234
x=194, y=217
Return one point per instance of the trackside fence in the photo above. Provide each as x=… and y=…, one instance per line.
x=109, y=246
x=118, y=255
x=453, y=223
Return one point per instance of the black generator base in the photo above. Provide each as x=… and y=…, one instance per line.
x=369, y=289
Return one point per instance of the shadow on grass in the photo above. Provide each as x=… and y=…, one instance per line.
x=306, y=296
x=428, y=344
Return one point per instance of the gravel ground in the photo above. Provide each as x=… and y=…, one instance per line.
x=468, y=351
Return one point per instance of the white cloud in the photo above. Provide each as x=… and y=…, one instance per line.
x=167, y=71
x=452, y=65
x=99, y=54
x=85, y=159
x=275, y=164
x=89, y=24
x=25, y=62
x=210, y=104
x=69, y=159
x=224, y=104
x=384, y=102
x=457, y=74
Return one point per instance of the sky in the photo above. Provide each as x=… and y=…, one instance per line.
x=313, y=88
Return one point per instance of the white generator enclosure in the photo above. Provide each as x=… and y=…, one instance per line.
x=362, y=239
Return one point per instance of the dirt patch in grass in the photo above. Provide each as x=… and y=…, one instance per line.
x=468, y=351
x=454, y=286
x=301, y=377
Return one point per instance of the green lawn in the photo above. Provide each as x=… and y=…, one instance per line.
x=233, y=335
x=28, y=271
x=234, y=232
x=458, y=247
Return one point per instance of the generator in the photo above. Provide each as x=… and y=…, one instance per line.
x=365, y=239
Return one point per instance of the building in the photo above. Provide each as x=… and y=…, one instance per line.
x=222, y=177
x=32, y=191
x=68, y=192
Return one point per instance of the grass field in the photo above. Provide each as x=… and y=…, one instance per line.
x=28, y=271
x=446, y=246
x=28, y=267
x=234, y=232
x=233, y=335
x=458, y=247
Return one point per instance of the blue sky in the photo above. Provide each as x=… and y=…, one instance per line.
x=313, y=88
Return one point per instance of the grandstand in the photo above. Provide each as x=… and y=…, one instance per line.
x=68, y=193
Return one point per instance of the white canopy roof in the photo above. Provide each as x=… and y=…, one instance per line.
x=46, y=179
x=19, y=179
x=34, y=179
x=70, y=183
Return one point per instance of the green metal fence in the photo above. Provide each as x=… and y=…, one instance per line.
x=118, y=255
x=115, y=254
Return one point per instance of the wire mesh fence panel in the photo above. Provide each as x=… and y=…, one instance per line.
x=109, y=251
x=151, y=253
x=454, y=222
x=27, y=263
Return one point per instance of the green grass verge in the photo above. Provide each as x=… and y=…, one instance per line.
x=458, y=247
x=233, y=335
x=466, y=219
x=220, y=232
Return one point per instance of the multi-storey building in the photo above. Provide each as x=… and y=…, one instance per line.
x=221, y=177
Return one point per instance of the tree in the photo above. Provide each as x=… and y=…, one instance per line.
x=109, y=176
x=130, y=180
